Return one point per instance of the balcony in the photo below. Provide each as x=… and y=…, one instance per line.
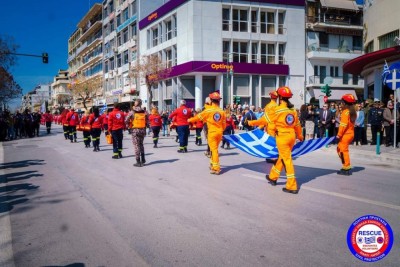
x=341, y=53
x=336, y=19
x=338, y=82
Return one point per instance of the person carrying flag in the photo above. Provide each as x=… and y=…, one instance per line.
x=345, y=133
x=215, y=118
x=284, y=124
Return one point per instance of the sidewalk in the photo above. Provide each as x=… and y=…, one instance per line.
x=389, y=155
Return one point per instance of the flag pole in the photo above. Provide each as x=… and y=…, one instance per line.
x=395, y=119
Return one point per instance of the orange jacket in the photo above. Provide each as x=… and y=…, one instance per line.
x=266, y=118
x=116, y=120
x=284, y=120
x=215, y=118
x=181, y=114
x=72, y=118
x=155, y=120
x=346, y=126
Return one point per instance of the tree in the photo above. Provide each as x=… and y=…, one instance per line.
x=9, y=88
x=152, y=70
x=85, y=88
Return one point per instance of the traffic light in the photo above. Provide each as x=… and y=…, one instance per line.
x=236, y=99
x=326, y=90
x=45, y=58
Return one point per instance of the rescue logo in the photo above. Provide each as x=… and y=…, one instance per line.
x=370, y=238
x=289, y=119
x=118, y=116
x=217, y=117
x=184, y=111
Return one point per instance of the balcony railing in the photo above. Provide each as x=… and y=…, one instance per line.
x=337, y=81
x=337, y=19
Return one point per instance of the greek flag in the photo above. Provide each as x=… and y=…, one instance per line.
x=259, y=144
x=102, y=109
x=385, y=72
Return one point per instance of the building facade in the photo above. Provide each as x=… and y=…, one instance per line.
x=244, y=49
x=381, y=27
x=36, y=99
x=61, y=95
x=85, y=58
x=334, y=36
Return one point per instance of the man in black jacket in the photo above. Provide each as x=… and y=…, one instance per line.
x=375, y=119
x=325, y=121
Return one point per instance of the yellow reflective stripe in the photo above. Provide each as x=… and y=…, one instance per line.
x=290, y=175
x=281, y=110
x=343, y=124
x=276, y=170
x=267, y=117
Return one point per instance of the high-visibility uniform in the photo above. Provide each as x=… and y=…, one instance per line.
x=181, y=115
x=265, y=119
x=116, y=125
x=345, y=135
x=285, y=125
x=215, y=118
x=73, y=121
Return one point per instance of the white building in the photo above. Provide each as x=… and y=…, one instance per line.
x=334, y=36
x=36, y=98
x=241, y=48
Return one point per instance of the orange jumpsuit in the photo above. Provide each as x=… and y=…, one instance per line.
x=285, y=125
x=265, y=119
x=215, y=118
x=345, y=135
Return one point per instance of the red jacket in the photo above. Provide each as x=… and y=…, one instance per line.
x=48, y=117
x=116, y=120
x=198, y=125
x=84, y=120
x=105, y=118
x=155, y=120
x=181, y=114
x=96, y=123
x=72, y=118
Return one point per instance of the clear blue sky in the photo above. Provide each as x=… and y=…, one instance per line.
x=41, y=26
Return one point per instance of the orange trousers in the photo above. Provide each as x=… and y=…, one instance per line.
x=343, y=150
x=285, y=143
x=214, y=139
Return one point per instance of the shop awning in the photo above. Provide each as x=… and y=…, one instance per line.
x=336, y=94
x=340, y=4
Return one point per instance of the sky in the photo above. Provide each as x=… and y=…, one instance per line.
x=41, y=26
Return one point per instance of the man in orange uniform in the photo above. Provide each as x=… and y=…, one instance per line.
x=215, y=118
x=345, y=133
x=73, y=121
x=285, y=125
x=182, y=114
x=268, y=111
x=155, y=124
x=116, y=125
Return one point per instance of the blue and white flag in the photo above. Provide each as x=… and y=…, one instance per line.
x=385, y=72
x=259, y=144
x=102, y=109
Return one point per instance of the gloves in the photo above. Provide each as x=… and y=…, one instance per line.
x=301, y=138
x=336, y=140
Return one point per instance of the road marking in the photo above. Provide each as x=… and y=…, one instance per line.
x=321, y=191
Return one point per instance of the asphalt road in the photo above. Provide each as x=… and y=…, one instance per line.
x=64, y=205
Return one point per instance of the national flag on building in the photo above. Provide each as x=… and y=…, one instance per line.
x=385, y=72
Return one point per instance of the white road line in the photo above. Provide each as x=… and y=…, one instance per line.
x=321, y=191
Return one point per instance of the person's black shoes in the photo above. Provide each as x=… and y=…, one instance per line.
x=290, y=191
x=344, y=172
x=272, y=182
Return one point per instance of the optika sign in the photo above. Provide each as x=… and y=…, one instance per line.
x=152, y=16
x=221, y=66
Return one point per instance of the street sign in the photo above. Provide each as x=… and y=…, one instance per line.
x=393, y=79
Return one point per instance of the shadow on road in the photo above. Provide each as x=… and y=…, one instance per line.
x=8, y=193
x=21, y=164
x=161, y=161
x=69, y=265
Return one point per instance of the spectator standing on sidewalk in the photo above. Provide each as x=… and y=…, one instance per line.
x=388, y=123
x=375, y=119
x=325, y=120
x=359, y=125
x=165, y=123
x=116, y=125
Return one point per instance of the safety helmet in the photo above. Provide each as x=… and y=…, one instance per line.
x=273, y=94
x=284, y=91
x=349, y=98
x=215, y=96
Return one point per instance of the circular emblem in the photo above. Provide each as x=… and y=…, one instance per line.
x=370, y=238
x=73, y=117
x=184, y=111
x=156, y=120
x=289, y=119
x=118, y=116
x=217, y=117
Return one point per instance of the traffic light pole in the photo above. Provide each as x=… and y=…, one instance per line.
x=44, y=56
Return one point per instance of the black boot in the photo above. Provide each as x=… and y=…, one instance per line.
x=142, y=158
x=138, y=163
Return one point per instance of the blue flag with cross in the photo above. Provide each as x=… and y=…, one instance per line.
x=392, y=78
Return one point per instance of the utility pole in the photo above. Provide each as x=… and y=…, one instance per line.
x=44, y=56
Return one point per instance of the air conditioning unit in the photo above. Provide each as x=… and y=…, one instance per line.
x=308, y=25
x=115, y=50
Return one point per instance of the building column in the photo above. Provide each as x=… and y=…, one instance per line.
x=219, y=85
x=378, y=84
x=198, y=90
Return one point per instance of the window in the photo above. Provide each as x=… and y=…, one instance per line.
x=111, y=6
x=225, y=51
x=323, y=39
x=254, y=52
x=175, y=56
x=345, y=78
x=119, y=61
x=267, y=53
x=106, y=66
x=240, y=52
x=239, y=21
x=168, y=30
x=155, y=36
x=254, y=20
x=270, y=22
x=334, y=71
x=357, y=43
x=133, y=55
x=174, y=25
x=125, y=14
x=355, y=79
x=118, y=20
x=126, y=57
x=322, y=74
x=226, y=17
x=168, y=58
x=125, y=35
x=281, y=53
x=369, y=47
x=316, y=71
x=387, y=40
x=119, y=39
x=133, y=29
x=133, y=8
x=112, y=63
x=112, y=25
x=281, y=22
x=105, y=11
